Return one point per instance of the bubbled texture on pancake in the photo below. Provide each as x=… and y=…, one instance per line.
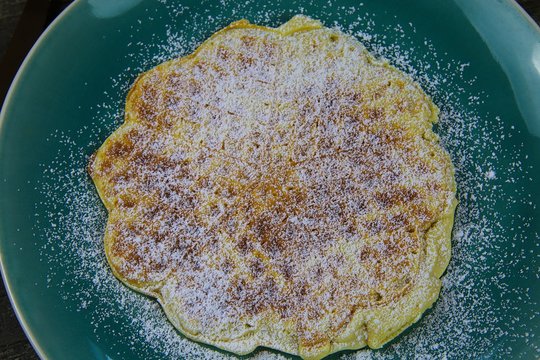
x=280, y=188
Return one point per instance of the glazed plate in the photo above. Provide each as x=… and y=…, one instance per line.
x=480, y=62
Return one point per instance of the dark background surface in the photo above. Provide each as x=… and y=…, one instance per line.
x=21, y=22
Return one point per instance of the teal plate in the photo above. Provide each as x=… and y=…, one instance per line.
x=479, y=60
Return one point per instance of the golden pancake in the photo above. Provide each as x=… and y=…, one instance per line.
x=279, y=188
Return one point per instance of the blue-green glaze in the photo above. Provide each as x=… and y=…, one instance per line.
x=69, y=70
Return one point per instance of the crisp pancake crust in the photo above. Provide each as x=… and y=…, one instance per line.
x=279, y=188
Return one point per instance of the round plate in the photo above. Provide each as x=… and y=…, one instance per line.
x=480, y=61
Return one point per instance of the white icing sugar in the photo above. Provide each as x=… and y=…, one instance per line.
x=467, y=319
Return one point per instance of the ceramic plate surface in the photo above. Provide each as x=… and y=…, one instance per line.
x=479, y=60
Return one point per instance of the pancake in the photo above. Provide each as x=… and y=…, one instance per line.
x=279, y=187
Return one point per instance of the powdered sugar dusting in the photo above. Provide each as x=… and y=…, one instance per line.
x=467, y=311
x=265, y=148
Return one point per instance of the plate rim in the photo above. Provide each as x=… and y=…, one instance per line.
x=28, y=332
